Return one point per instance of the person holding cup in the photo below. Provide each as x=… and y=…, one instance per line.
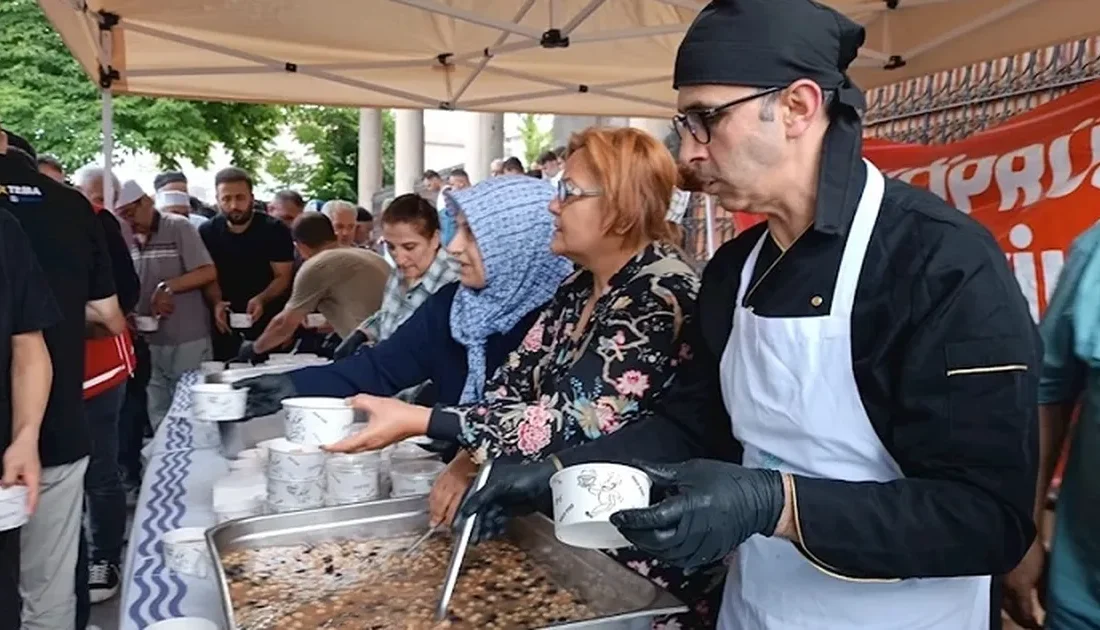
x=601, y=355
x=508, y=274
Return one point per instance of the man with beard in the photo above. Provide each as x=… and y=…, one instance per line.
x=854, y=427
x=254, y=257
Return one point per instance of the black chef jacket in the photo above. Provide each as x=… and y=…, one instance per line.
x=946, y=359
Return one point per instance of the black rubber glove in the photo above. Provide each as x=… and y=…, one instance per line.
x=266, y=394
x=248, y=354
x=348, y=346
x=511, y=490
x=715, y=507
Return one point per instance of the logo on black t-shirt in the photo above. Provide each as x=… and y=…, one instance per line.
x=16, y=193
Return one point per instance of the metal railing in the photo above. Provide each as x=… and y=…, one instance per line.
x=952, y=105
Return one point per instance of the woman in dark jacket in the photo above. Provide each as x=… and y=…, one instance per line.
x=507, y=271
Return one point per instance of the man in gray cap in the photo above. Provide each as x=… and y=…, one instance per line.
x=868, y=341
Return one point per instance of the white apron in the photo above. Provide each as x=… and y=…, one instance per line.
x=792, y=398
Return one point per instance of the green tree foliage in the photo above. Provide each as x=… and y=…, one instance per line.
x=46, y=96
x=535, y=140
x=332, y=135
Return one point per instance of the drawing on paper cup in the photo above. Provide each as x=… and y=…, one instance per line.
x=586, y=496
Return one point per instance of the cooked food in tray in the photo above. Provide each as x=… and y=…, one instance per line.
x=361, y=585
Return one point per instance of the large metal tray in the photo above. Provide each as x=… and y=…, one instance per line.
x=622, y=599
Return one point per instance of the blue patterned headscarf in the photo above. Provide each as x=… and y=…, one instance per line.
x=510, y=218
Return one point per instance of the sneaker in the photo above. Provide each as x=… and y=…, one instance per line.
x=103, y=581
x=132, y=494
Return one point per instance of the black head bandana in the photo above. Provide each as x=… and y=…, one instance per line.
x=773, y=43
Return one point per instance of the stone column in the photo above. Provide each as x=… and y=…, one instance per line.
x=564, y=126
x=370, y=156
x=408, y=150
x=484, y=143
x=657, y=127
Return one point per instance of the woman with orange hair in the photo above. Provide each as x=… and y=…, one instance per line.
x=604, y=350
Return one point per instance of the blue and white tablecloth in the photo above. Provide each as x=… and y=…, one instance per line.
x=176, y=492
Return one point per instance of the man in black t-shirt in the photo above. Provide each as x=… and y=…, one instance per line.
x=254, y=255
x=26, y=309
x=68, y=243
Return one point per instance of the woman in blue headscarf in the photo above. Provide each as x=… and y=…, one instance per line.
x=466, y=329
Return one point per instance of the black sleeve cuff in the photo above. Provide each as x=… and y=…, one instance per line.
x=444, y=425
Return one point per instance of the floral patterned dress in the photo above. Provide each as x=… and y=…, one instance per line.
x=560, y=389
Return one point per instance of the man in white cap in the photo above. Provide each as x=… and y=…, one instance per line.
x=855, y=431
x=173, y=266
x=176, y=202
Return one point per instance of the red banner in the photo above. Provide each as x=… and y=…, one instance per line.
x=1033, y=181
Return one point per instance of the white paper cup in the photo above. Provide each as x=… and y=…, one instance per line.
x=414, y=477
x=317, y=421
x=353, y=478
x=240, y=320
x=146, y=323
x=585, y=497
x=13, y=507
x=315, y=320
x=253, y=453
x=217, y=402
x=205, y=435
x=211, y=367
x=247, y=464
x=287, y=460
x=410, y=450
x=265, y=446
x=295, y=494
x=239, y=488
x=185, y=551
x=184, y=623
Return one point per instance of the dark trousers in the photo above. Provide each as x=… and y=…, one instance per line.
x=105, y=497
x=83, y=597
x=134, y=417
x=11, y=605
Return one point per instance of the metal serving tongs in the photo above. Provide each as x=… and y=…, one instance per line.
x=459, y=551
x=420, y=541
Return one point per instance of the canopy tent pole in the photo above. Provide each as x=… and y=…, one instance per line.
x=709, y=212
x=108, y=122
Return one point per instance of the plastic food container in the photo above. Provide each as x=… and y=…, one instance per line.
x=13, y=507
x=286, y=495
x=585, y=497
x=184, y=623
x=240, y=320
x=146, y=323
x=317, y=420
x=353, y=478
x=414, y=477
x=287, y=460
x=217, y=402
x=185, y=551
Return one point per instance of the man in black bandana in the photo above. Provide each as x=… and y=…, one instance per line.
x=868, y=342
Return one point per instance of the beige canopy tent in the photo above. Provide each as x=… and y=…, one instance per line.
x=598, y=57
x=595, y=57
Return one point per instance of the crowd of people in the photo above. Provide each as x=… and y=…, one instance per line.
x=839, y=415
